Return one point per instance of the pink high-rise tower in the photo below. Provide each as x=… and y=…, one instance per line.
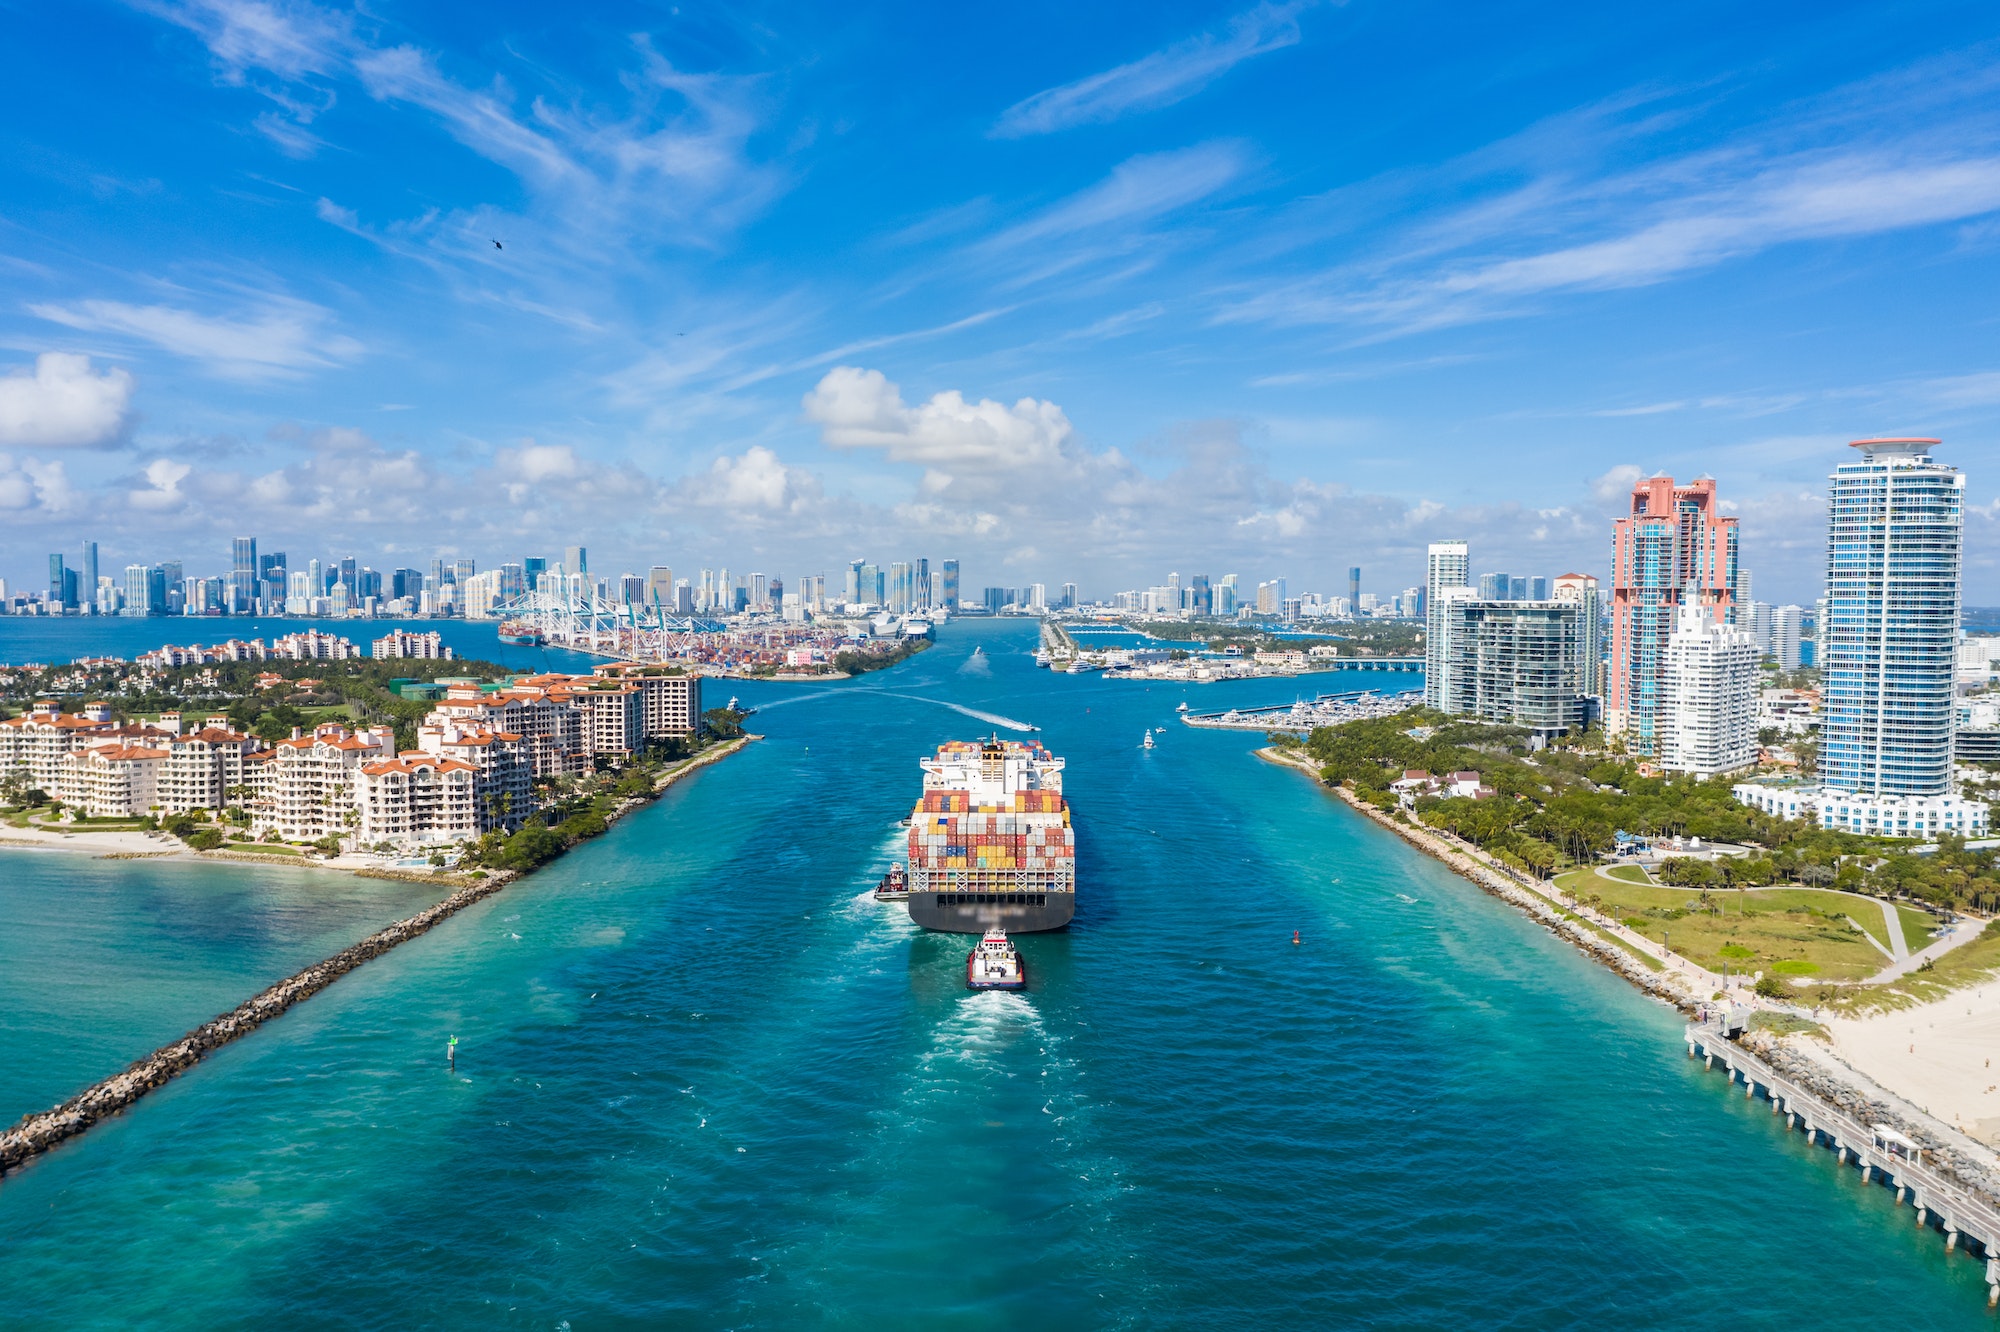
x=1675, y=544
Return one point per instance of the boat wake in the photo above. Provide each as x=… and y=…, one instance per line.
x=991, y=718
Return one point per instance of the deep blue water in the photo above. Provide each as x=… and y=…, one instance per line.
x=53, y=639
x=705, y=1081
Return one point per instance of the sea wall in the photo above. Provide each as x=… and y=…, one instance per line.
x=37, y=1133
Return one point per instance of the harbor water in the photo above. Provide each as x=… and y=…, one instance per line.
x=704, y=1080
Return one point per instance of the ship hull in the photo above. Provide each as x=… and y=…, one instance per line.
x=976, y=913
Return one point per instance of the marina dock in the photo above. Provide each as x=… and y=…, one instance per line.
x=1302, y=717
x=1875, y=1149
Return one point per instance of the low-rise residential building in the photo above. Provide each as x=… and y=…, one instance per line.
x=304, y=787
x=33, y=744
x=416, y=799
x=1923, y=817
x=671, y=698
x=402, y=643
x=504, y=781
x=110, y=781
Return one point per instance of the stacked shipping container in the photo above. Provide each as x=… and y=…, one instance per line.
x=992, y=818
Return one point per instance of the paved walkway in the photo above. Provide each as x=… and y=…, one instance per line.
x=1960, y=934
x=1894, y=920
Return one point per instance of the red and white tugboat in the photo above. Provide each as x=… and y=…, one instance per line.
x=893, y=886
x=995, y=965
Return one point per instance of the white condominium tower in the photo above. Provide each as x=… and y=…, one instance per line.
x=1448, y=564
x=1887, y=642
x=1710, y=707
x=1894, y=523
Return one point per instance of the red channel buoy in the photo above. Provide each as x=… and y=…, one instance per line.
x=1295, y=936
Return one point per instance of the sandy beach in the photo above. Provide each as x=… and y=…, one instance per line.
x=1939, y=1057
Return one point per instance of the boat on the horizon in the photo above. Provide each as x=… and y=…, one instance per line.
x=995, y=964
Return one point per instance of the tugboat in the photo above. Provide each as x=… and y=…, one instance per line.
x=894, y=886
x=995, y=965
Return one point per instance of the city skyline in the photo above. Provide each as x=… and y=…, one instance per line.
x=1215, y=278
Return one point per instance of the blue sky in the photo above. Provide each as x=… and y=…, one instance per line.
x=1068, y=292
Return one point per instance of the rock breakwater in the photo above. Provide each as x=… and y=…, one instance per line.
x=37, y=1133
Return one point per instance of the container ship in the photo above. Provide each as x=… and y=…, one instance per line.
x=991, y=846
x=521, y=634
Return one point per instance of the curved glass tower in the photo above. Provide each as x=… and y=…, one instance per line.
x=1894, y=525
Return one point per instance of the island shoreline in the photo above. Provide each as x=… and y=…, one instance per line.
x=1970, y=1163
x=38, y=1133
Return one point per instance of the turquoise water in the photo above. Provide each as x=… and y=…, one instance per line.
x=706, y=1082
x=107, y=960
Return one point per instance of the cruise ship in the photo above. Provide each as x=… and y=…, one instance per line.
x=991, y=846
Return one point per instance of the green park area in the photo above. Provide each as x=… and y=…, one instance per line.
x=1792, y=933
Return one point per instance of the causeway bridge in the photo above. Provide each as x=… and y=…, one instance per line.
x=1875, y=1149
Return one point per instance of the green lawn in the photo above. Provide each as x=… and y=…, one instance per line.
x=261, y=848
x=1630, y=873
x=1795, y=932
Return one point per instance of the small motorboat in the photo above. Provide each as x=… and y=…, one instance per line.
x=995, y=964
x=1147, y=743
x=894, y=886
x=1183, y=707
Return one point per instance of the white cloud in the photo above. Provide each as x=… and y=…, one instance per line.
x=861, y=409
x=63, y=404
x=33, y=483
x=281, y=337
x=1138, y=189
x=1162, y=78
x=163, y=488
x=755, y=479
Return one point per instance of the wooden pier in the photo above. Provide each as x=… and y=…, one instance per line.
x=1875, y=1149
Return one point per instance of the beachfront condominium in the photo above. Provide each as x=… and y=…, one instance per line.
x=1894, y=523
x=1448, y=563
x=1709, y=713
x=1673, y=546
x=1887, y=643
x=1519, y=663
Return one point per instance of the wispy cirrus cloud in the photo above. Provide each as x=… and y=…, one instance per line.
x=1169, y=75
x=669, y=162
x=277, y=337
x=1550, y=212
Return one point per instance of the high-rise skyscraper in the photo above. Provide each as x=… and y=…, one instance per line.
x=243, y=576
x=86, y=576
x=1449, y=561
x=60, y=577
x=1894, y=523
x=920, y=583
x=1785, y=625
x=1354, y=587
x=1496, y=587
x=576, y=560
x=1581, y=590
x=1887, y=638
x=951, y=584
x=1708, y=721
x=1674, y=545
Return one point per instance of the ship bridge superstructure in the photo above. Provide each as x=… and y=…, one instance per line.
x=993, y=822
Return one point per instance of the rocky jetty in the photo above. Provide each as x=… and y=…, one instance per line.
x=37, y=1133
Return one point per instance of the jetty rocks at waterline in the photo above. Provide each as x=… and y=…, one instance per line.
x=37, y=1133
